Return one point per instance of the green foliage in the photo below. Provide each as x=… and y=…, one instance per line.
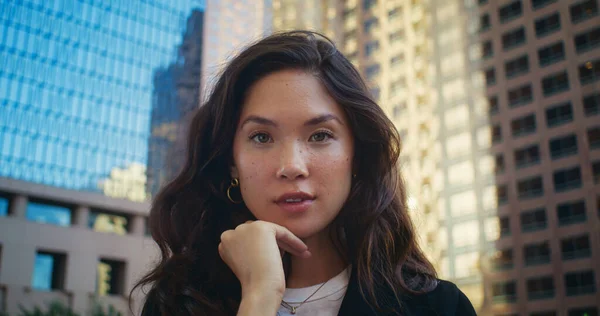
x=54, y=309
x=98, y=310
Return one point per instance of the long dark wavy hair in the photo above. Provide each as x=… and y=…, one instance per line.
x=373, y=231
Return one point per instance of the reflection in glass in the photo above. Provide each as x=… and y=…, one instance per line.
x=110, y=277
x=3, y=206
x=49, y=214
x=42, y=272
x=76, y=90
x=108, y=223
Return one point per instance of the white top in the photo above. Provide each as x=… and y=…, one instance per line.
x=326, y=302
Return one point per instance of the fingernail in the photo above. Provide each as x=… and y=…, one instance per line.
x=306, y=254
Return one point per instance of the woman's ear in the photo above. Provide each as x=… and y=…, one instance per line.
x=234, y=172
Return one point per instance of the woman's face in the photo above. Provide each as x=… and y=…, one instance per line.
x=293, y=153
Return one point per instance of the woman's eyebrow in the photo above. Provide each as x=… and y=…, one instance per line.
x=313, y=121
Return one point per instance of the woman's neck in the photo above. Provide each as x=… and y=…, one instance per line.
x=324, y=264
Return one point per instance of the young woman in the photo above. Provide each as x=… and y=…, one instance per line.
x=290, y=201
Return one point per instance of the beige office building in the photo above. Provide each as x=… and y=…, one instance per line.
x=229, y=26
x=497, y=103
x=540, y=64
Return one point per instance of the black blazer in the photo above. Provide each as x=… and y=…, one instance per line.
x=445, y=300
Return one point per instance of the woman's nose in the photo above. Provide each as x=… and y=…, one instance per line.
x=292, y=163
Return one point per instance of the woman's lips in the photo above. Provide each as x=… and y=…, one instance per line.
x=295, y=206
x=295, y=202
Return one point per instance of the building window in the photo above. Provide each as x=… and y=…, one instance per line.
x=371, y=48
x=523, y=126
x=513, y=38
x=510, y=11
x=516, y=67
x=490, y=77
x=537, y=253
x=504, y=292
x=576, y=247
x=375, y=93
x=520, y=95
x=108, y=222
x=504, y=226
x=502, y=260
x=571, y=212
x=496, y=134
x=591, y=104
x=584, y=10
x=484, y=23
x=487, y=49
x=596, y=172
x=580, y=283
x=563, y=146
x=397, y=60
x=547, y=25
x=372, y=71
x=538, y=4
x=567, y=179
x=589, y=72
x=555, y=83
x=587, y=40
x=530, y=188
x=593, y=135
x=370, y=25
x=559, y=114
x=527, y=156
x=551, y=54
x=48, y=271
x=585, y=311
x=499, y=164
x=394, y=13
x=110, y=277
x=43, y=212
x=368, y=4
x=540, y=288
x=493, y=105
x=4, y=205
x=396, y=36
x=533, y=220
x=399, y=110
x=502, y=194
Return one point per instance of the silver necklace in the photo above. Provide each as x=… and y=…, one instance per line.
x=293, y=308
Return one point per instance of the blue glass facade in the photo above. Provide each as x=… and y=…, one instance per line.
x=77, y=84
x=3, y=206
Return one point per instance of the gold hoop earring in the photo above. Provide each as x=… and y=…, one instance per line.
x=234, y=184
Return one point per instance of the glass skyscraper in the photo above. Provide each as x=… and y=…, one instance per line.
x=83, y=82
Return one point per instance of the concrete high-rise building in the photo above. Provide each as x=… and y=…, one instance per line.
x=497, y=103
x=314, y=15
x=229, y=26
x=540, y=65
x=389, y=42
x=176, y=92
x=76, y=102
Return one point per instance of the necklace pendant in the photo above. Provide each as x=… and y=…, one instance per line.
x=293, y=310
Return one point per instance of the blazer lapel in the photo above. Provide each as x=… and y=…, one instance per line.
x=353, y=303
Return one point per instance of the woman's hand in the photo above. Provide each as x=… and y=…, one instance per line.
x=253, y=252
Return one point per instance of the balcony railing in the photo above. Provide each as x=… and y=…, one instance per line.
x=537, y=260
x=540, y=295
x=576, y=254
x=581, y=290
x=509, y=298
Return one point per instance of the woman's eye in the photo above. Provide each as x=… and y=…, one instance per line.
x=320, y=137
x=261, y=138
